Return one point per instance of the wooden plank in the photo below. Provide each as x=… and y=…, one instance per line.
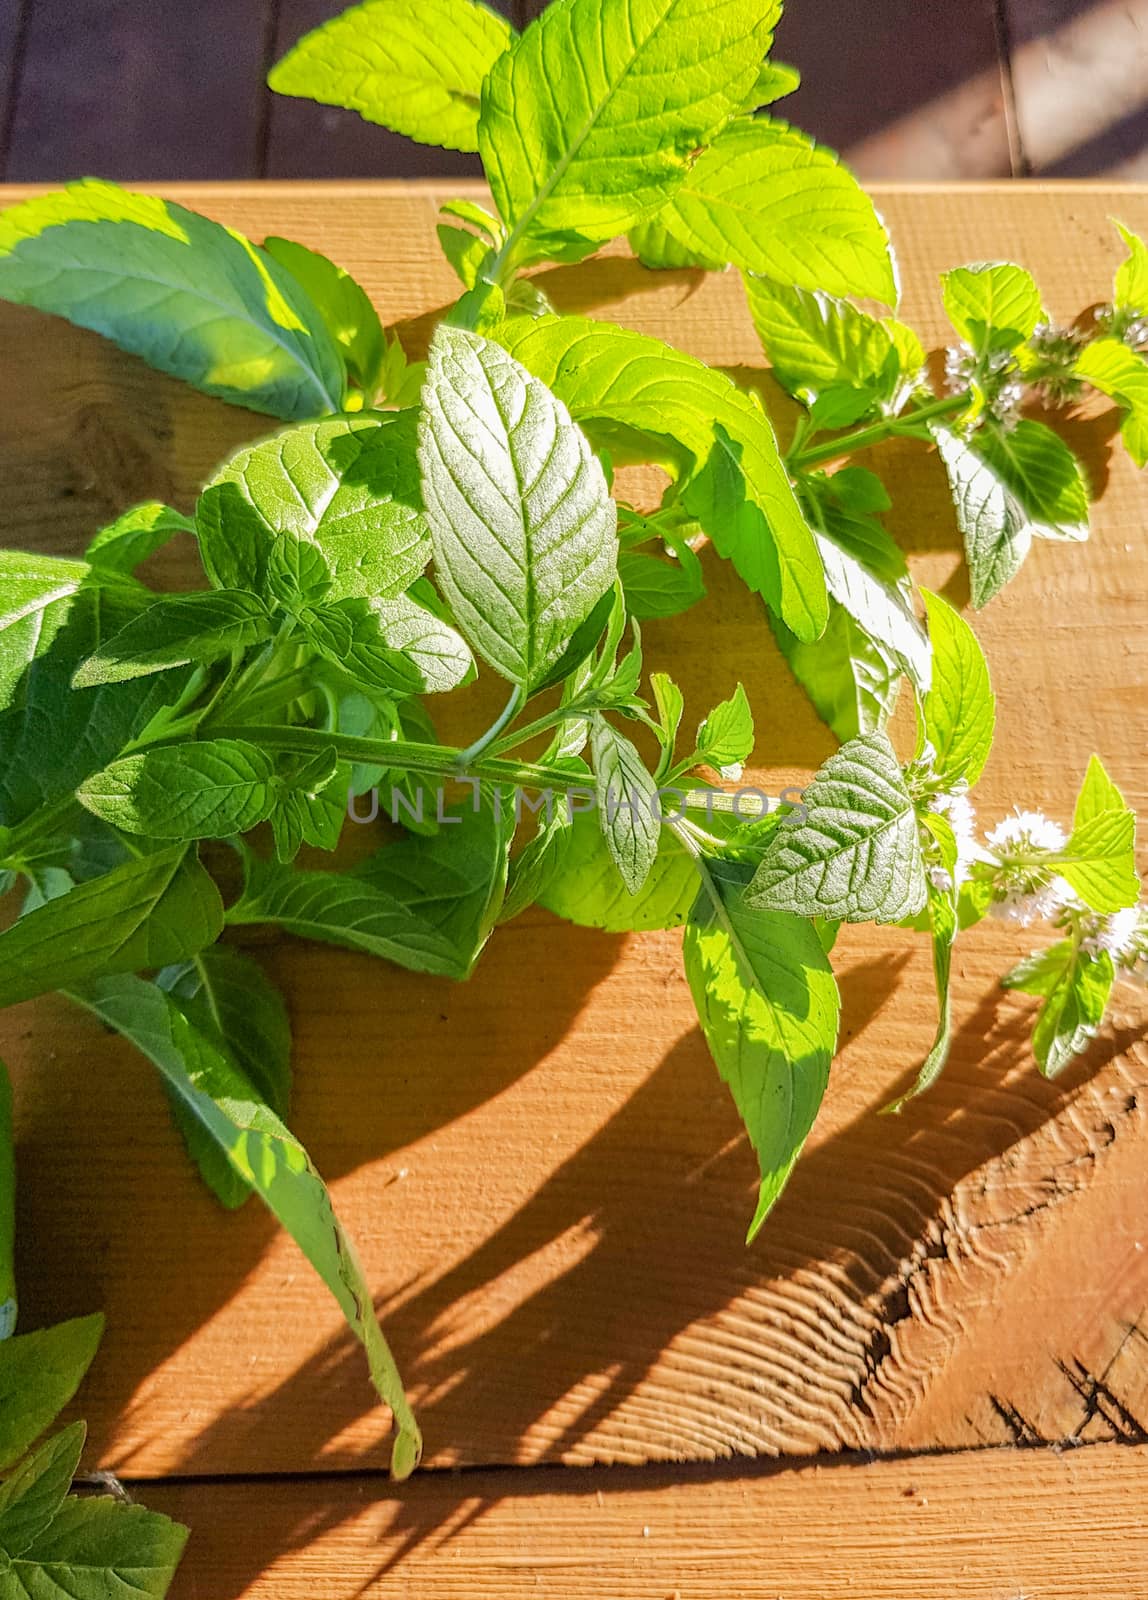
x=546, y=1180
x=1080, y=80
x=312, y=141
x=140, y=90
x=987, y=1525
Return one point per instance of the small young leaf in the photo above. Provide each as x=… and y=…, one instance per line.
x=137, y=534
x=768, y=1007
x=627, y=797
x=172, y=633
x=264, y=1153
x=146, y=913
x=1121, y=374
x=1097, y=793
x=992, y=305
x=34, y=1493
x=350, y=485
x=466, y=252
x=1071, y=1015
x=415, y=66
x=766, y=198
x=1099, y=861
x=588, y=121
x=39, y=1374
x=725, y=738
x=851, y=853
x=351, y=319
x=1130, y=289
x=208, y=790
x=775, y=81
x=97, y=1548
x=524, y=529
x=191, y=297
x=959, y=711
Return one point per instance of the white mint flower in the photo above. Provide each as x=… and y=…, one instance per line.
x=958, y=812
x=1026, y=831
x=732, y=773
x=1025, y=906
x=1025, y=887
x=1115, y=935
x=960, y=364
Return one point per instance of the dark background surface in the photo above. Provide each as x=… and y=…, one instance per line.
x=916, y=89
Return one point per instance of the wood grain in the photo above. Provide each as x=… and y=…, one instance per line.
x=546, y=1180
x=987, y=1525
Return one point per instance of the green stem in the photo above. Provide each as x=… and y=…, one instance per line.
x=874, y=432
x=509, y=710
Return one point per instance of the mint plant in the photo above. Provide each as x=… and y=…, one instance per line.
x=53, y=1543
x=419, y=523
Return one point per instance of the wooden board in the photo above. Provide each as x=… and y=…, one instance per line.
x=547, y=1182
x=989, y=1525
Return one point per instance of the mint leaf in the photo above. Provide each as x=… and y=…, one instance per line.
x=1006, y=488
x=351, y=319
x=193, y=298
x=766, y=198
x=97, y=1548
x=851, y=853
x=850, y=680
x=586, y=888
x=415, y=66
x=588, y=121
x=208, y=790
x=1121, y=374
x=1130, y=288
x=627, y=797
x=1076, y=989
x=7, y=1210
x=173, y=633
x=426, y=904
x=266, y=1155
x=34, y=1493
x=736, y=485
x=992, y=305
x=816, y=343
x=1098, y=793
x=137, y=534
x=39, y=1374
x=226, y=996
x=146, y=913
x=1099, y=861
x=659, y=588
x=882, y=608
x=725, y=738
x=438, y=652
x=959, y=711
x=350, y=636
x=768, y=1007
x=656, y=248
x=523, y=526
x=349, y=485
x=775, y=80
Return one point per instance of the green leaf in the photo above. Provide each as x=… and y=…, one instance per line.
x=1006, y=487
x=34, y=1493
x=993, y=305
x=137, y=534
x=589, y=121
x=349, y=634
x=851, y=852
x=815, y=342
x=725, y=738
x=768, y=1007
x=426, y=904
x=208, y=790
x=851, y=681
x=959, y=711
x=882, y=609
x=146, y=913
x=656, y=588
x=523, y=526
x=1099, y=861
x=1130, y=289
x=656, y=248
x=1073, y=1010
x=350, y=485
x=587, y=889
x=96, y=1549
x=627, y=799
x=674, y=408
x=415, y=66
x=766, y=198
x=39, y=1374
x=266, y=1155
x=192, y=298
x=350, y=317
x=226, y=996
x=1121, y=374
x=438, y=652
x=775, y=80
x=197, y=627
x=943, y=926
x=1097, y=794
x=466, y=252
x=7, y=1210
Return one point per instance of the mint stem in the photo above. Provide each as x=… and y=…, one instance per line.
x=875, y=432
